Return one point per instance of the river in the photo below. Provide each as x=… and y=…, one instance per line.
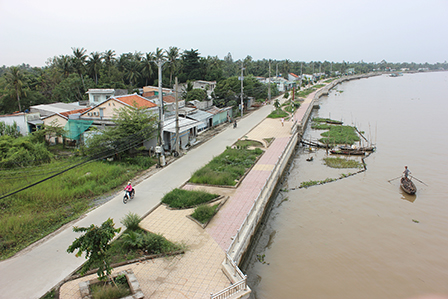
x=362, y=237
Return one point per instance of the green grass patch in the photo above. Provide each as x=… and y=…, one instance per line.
x=329, y=80
x=106, y=290
x=320, y=126
x=342, y=163
x=278, y=113
x=136, y=243
x=227, y=168
x=326, y=120
x=180, y=198
x=340, y=135
x=32, y=214
x=317, y=86
x=204, y=213
x=247, y=143
x=304, y=93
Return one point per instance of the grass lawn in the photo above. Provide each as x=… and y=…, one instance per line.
x=32, y=214
x=278, y=113
x=180, y=198
x=204, y=213
x=227, y=168
x=247, y=143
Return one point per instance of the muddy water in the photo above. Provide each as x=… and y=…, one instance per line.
x=362, y=237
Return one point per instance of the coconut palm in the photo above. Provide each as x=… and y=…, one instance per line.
x=147, y=66
x=173, y=55
x=15, y=80
x=65, y=64
x=79, y=62
x=94, y=65
x=108, y=58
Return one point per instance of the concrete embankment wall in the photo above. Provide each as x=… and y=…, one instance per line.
x=247, y=231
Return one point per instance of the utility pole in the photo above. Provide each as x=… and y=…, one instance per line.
x=242, y=87
x=269, y=81
x=177, y=119
x=160, y=63
x=276, y=71
x=301, y=74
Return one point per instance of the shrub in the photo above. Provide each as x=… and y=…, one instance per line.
x=131, y=221
x=108, y=291
x=278, y=113
x=204, y=213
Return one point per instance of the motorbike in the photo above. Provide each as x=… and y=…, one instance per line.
x=128, y=195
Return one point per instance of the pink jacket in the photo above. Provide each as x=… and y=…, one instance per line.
x=128, y=188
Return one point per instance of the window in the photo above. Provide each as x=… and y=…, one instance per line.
x=96, y=98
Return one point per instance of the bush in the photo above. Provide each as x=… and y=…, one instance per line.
x=131, y=221
x=108, y=291
x=204, y=213
x=179, y=198
x=278, y=113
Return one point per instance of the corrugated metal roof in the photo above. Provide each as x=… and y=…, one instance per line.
x=200, y=115
x=185, y=124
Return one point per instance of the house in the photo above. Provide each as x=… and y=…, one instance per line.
x=26, y=122
x=49, y=109
x=187, y=133
x=204, y=119
x=203, y=105
x=208, y=86
x=220, y=115
x=169, y=102
x=150, y=91
x=103, y=113
x=293, y=77
x=97, y=96
x=66, y=120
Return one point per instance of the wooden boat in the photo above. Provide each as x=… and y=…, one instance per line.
x=348, y=152
x=408, y=186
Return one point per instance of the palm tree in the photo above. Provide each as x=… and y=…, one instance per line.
x=79, y=61
x=65, y=64
x=172, y=54
x=15, y=83
x=94, y=64
x=109, y=58
x=133, y=71
x=147, y=65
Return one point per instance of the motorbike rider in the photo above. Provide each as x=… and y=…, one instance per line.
x=129, y=189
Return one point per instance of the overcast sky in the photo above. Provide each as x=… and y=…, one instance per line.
x=31, y=31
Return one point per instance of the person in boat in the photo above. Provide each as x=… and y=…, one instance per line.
x=406, y=172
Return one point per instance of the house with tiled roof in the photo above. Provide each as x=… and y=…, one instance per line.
x=102, y=114
x=293, y=77
x=60, y=119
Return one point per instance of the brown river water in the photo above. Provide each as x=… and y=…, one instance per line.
x=362, y=237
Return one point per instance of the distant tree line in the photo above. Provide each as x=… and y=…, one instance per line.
x=66, y=78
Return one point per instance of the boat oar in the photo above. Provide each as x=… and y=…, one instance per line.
x=418, y=180
x=394, y=179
